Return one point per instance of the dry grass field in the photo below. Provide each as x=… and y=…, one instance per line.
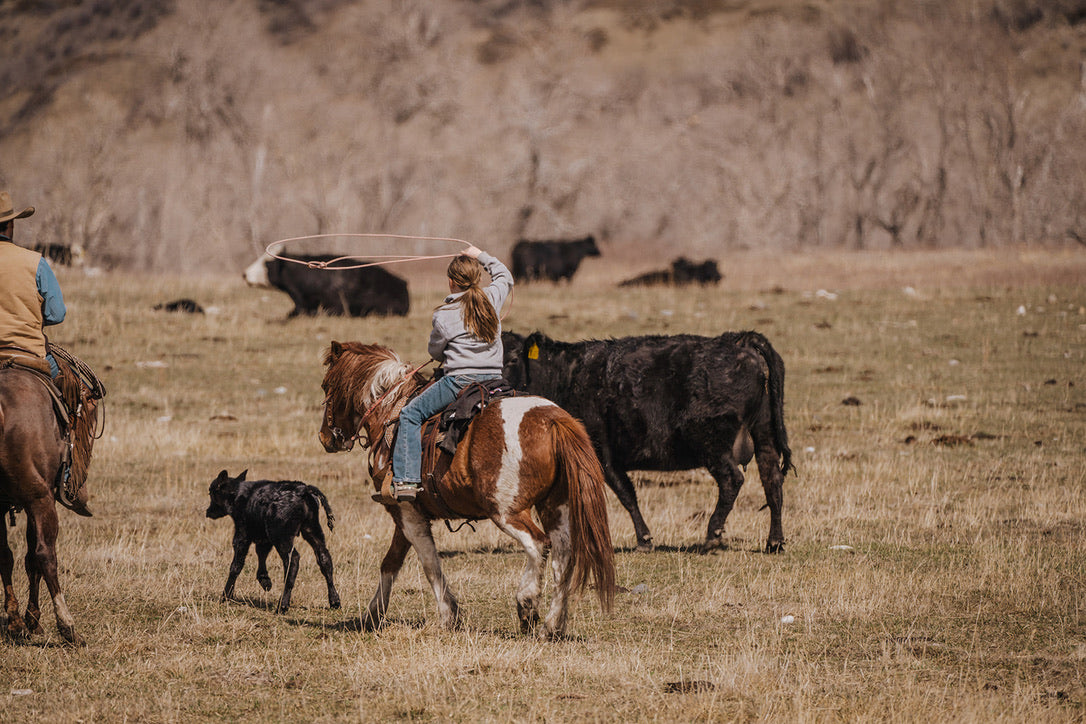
x=935, y=565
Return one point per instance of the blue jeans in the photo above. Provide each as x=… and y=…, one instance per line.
x=407, y=455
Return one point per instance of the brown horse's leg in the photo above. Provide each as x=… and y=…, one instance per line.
x=417, y=530
x=33, y=576
x=41, y=562
x=390, y=567
x=523, y=529
x=16, y=625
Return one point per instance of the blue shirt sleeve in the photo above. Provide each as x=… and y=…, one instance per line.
x=52, y=306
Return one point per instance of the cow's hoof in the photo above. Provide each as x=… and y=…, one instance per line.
x=774, y=546
x=265, y=582
x=713, y=544
x=333, y=602
x=645, y=545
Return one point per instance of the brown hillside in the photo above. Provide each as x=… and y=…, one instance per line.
x=186, y=136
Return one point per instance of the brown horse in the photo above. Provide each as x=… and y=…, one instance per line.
x=518, y=454
x=31, y=450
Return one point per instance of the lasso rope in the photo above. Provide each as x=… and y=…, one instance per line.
x=389, y=258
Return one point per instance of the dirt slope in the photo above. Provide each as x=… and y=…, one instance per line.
x=186, y=136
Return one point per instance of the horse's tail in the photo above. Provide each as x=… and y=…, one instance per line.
x=316, y=493
x=775, y=386
x=592, y=553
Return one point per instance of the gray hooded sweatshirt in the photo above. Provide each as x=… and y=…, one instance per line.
x=460, y=352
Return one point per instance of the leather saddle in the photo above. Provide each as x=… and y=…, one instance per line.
x=443, y=431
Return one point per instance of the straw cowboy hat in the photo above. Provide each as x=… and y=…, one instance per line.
x=7, y=209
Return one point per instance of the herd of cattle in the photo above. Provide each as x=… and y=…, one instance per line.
x=359, y=291
x=664, y=402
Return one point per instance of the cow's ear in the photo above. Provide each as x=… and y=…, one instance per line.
x=532, y=344
x=223, y=475
x=243, y=474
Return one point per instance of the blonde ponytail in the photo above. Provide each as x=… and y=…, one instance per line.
x=479, y=315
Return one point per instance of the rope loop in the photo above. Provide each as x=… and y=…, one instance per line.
x=387, y=259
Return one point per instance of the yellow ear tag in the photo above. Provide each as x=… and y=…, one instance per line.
x=533, y=352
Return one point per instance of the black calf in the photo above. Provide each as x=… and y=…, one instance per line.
x=272, y=514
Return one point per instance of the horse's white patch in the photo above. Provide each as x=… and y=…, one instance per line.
x=256, y=274
x=512, y=411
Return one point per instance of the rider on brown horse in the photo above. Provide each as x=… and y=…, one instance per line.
x=30, y=300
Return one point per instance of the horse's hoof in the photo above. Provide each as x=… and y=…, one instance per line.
x=774, y=546
x=18, y=631
x=71, y=636
x=32, y=621
x=529, y=623
x=550, y=634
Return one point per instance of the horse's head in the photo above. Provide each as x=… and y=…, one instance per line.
x=357, y=379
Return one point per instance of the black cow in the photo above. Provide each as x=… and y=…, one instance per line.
x=187, y=306
x=353, y=292
x=550, y=260
x=669, y=403
x=271, y=514
x=682, y=271
x=66, y=254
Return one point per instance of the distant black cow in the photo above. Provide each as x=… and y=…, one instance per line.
x=682, y=271
x=65, y=254
x=669, y=403
x=271, y=514
x=353, y=292
x=550, y=260
x=188, y=306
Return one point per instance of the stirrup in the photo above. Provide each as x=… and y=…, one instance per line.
x=64, y=496
x=73, y=505
x=404, y=491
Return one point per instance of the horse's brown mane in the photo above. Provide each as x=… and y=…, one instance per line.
x=362, y=372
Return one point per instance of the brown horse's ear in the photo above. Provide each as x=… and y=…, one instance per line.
x=334, y=351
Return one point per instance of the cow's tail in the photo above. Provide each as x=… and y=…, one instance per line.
x=776, y=394
x=319, y=497
x=592, y=553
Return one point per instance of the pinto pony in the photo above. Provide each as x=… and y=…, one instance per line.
x=518, y=454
